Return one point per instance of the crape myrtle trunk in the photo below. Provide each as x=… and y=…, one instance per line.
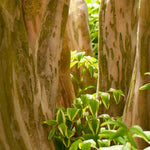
x=117, y=45
x=31, y=34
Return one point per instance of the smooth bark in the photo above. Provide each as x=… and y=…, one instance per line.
x=66, y=89
x=137, y=106
x=30, y=49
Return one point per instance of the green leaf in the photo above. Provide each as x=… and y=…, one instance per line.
x=80, y=55
x=121, y=140
x=147, y=133
x=91, y=70
x=77, y=100
x=105, y=117
x=116, y=147
x=66, y=142
x=73, y=77
x=131, y=140
x=86, y=88
x=145, y=87
x=93, y=106
x=75, y=145
x=63, y=129
x=50, y=122
x=70, y=133
x=87, y=136
x=72, y=112
x=87, y=144
x=117, y=123
x=79, y=128
x=120, y=132
x=103, y=143
x=86, y=129
x=105, y=98
x=85, y=99
x=73, y=63
x=94, y=125
x=60, y=117
x=51, y=134
x=116, y=94
x=106, y=133
x=138, y=131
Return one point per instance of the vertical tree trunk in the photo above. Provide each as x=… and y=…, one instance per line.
x=66, y=92
x=117, y=45
x=137, y=106
x=29, y=73
x=79, y=37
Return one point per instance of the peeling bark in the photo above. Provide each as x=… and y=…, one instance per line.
x=29, y=61
x=117, y=45
x=137, y=106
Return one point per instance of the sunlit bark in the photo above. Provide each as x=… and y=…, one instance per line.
x=30, y=49
x=117, y=45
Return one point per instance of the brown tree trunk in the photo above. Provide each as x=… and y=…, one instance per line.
x=137, y=106
x=66, y=92
x=29, y=70
x=79, y=37
x=117, y=45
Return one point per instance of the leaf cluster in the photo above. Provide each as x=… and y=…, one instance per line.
x=87, y=63
x=83, y=127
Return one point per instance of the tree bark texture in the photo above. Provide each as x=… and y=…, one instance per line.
x=137, y=106
x=117, y=45
x=79, y=37
x=66, y=91
x=31, y=34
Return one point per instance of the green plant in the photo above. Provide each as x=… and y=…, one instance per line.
x=87, y=63
x=83, y=127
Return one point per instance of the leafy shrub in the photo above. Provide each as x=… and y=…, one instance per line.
x=87, y=63
x=82, y=127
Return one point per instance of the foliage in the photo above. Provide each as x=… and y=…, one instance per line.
x=87, y=63
x=83, y=127
x=145, y=86
x=93, y=10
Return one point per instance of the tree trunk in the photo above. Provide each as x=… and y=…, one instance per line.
x=29, y=70
x=79, y=37
x=137, y=106
x=117, y=45
x=66, y=92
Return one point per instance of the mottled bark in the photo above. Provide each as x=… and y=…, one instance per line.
x=117, y=45
x=137, y=106
x=79, y=37
x=29, y=70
